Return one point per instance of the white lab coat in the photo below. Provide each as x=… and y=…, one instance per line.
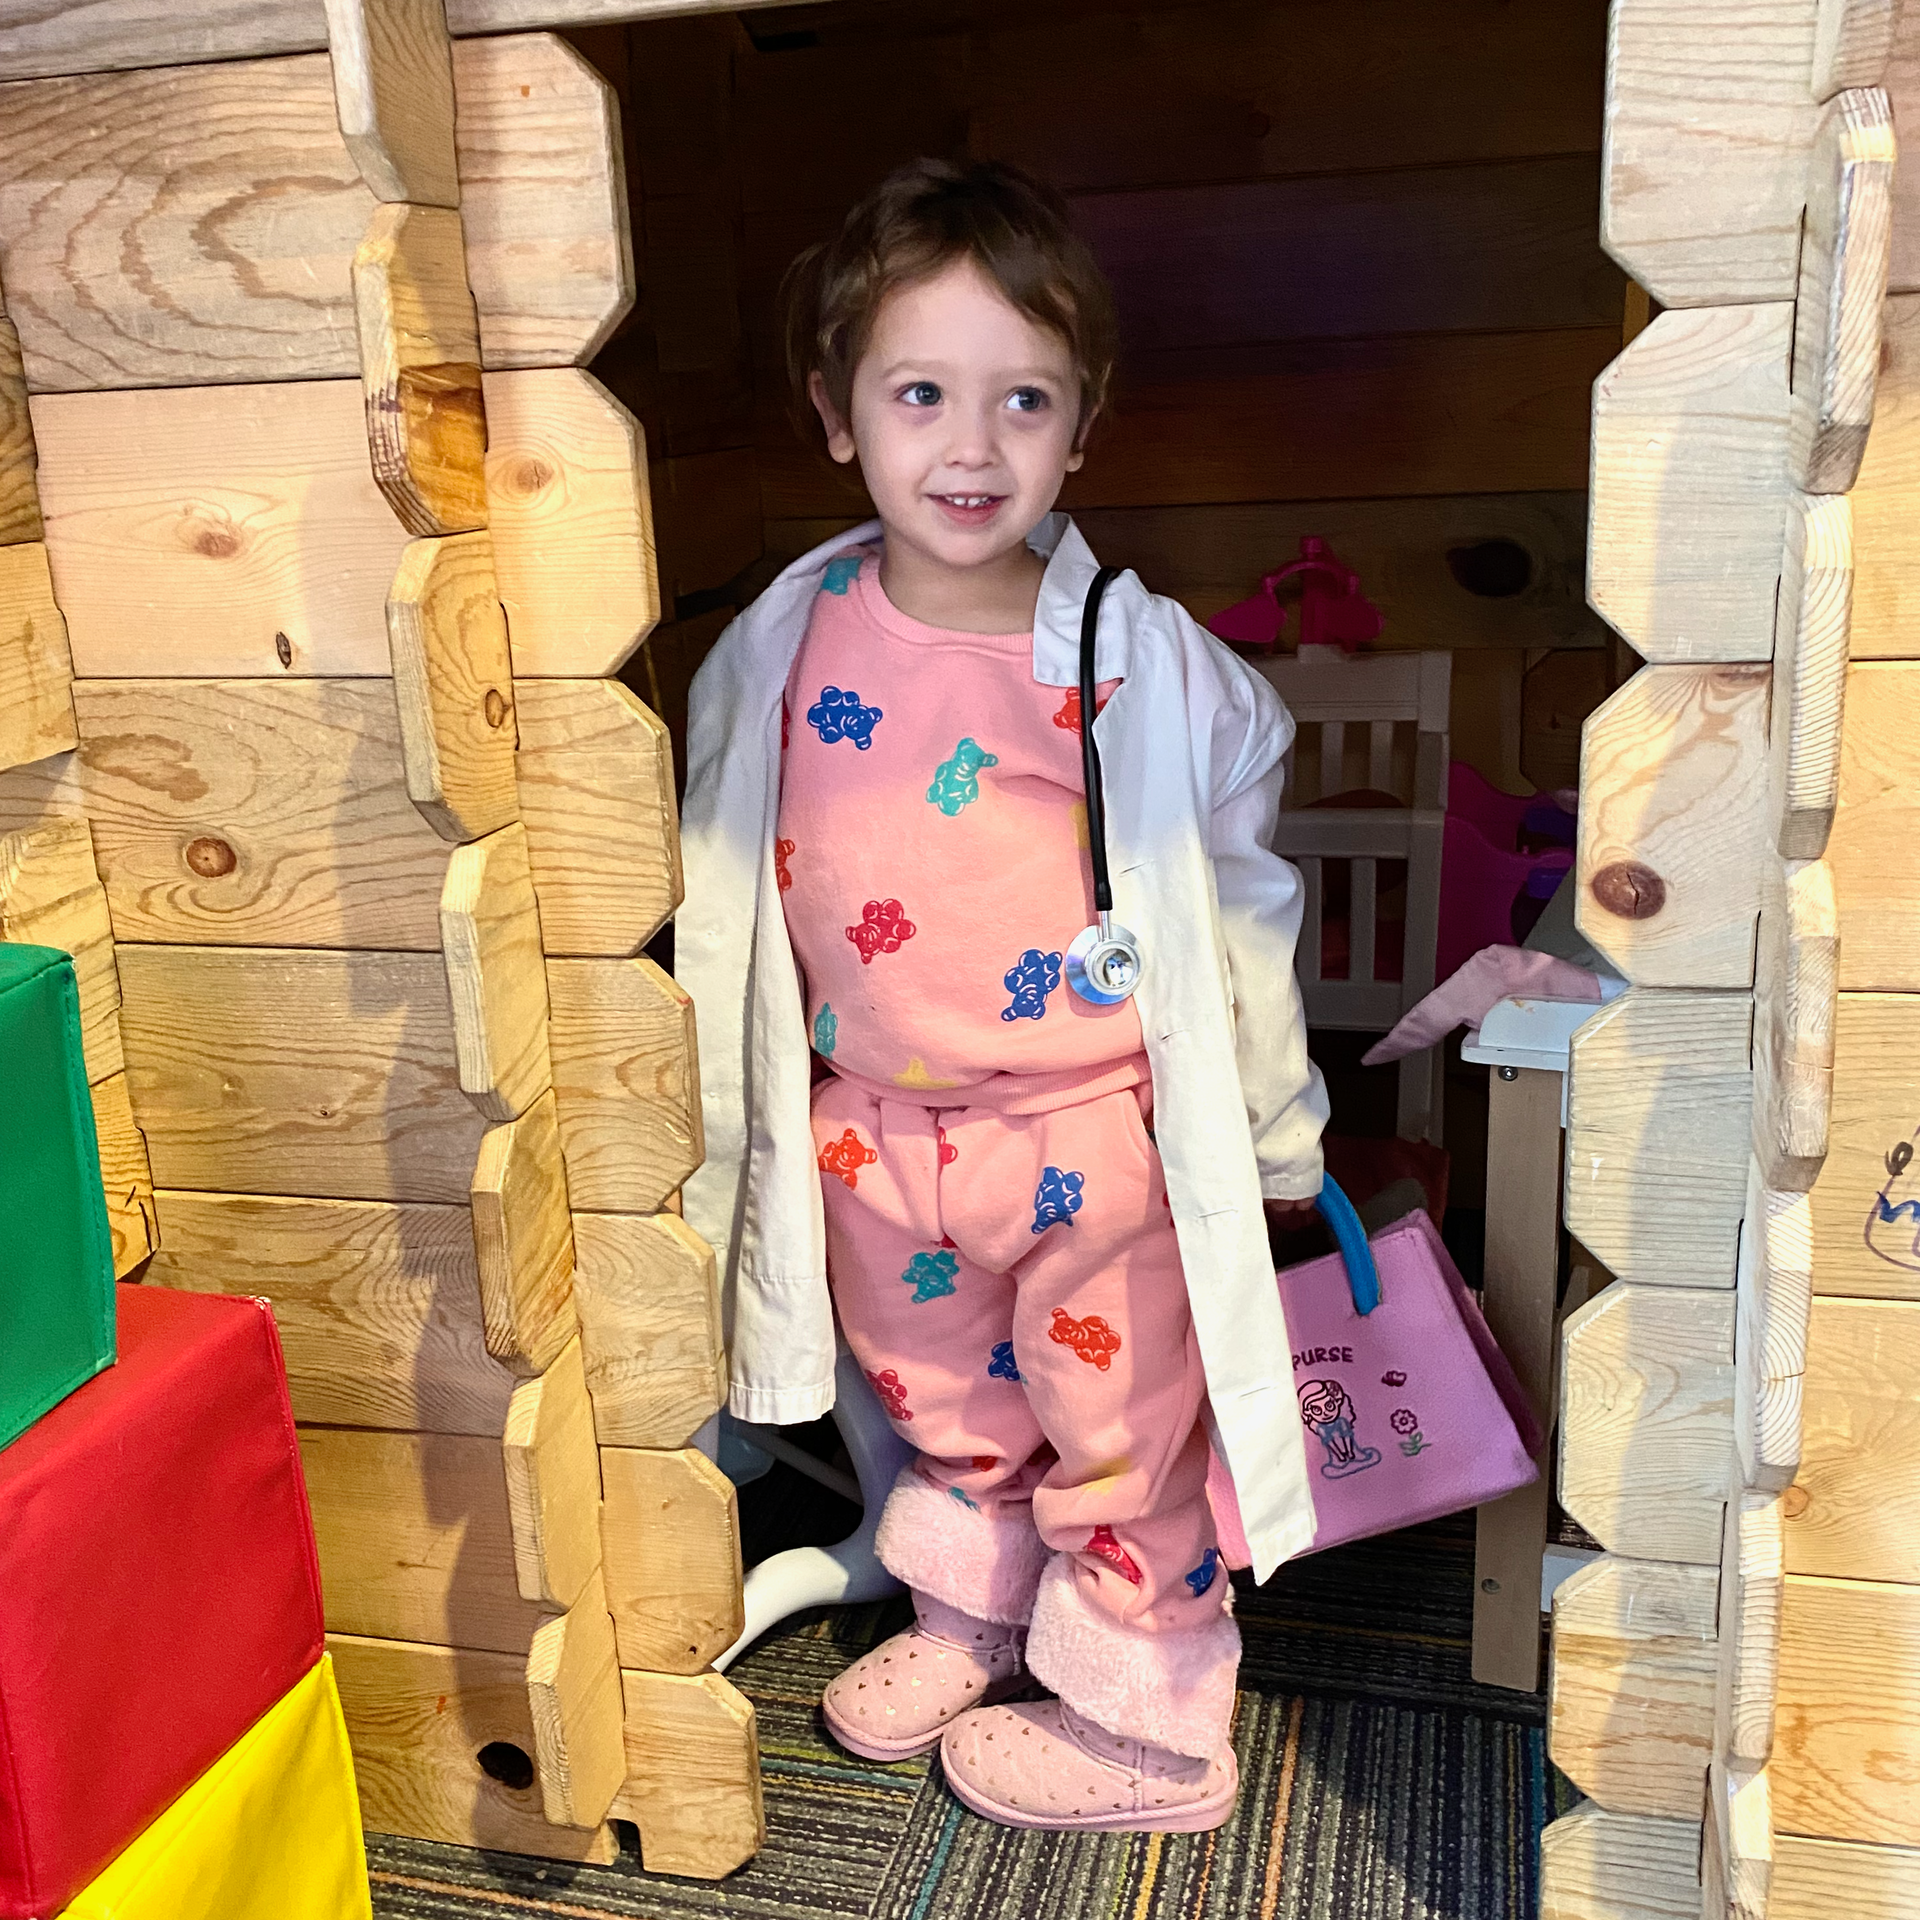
x=1190, y=748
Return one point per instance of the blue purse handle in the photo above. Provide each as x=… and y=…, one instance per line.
x=1363, y=1277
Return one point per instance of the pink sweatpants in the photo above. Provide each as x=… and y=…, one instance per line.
x=1011, y=1286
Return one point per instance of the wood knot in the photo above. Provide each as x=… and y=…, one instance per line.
x=1629, y=890
x=283, y=648
x=530, y=475
x=496, y=705
x=210, y=857
x=215, y=539
x=1794, y=1502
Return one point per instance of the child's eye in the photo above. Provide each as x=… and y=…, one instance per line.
x=1027, y=400
x=923, y=393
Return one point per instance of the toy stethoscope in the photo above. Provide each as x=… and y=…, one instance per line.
x=1103, y=961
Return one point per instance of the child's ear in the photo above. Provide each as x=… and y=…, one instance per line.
x=1078, y=457
x=839, y=435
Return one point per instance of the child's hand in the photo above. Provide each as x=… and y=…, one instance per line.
x=1289, y=1213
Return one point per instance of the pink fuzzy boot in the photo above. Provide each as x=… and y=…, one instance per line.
x=1037, y=1763
x=895, y=1702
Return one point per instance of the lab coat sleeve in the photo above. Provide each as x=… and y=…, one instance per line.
x=1261, y=903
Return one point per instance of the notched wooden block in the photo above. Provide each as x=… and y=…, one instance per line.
x=1752, y=1570
x=490, y=933
x=1809, y=674
x=36, y=672
x=1736, y=1859
x=523, y=1237
x=671, y=1530
x=1794, y=1005
x=51, y=897
x=553, y=1483
x=393, y=91
x=19, y=496
x=693, y=1774
x=125, y=1174
x=1773, y=1298
x=573, y=1689
x=1597, y=1865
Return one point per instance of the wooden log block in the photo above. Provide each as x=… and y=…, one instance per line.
x=1773, y=1298
x=573, y=1688
x=1866, y=1225
x=50, y=897
x=1673, y=784
x=671, y=1533
x=572, y=520
x=1646, y=1420
x=393, y=91
x=125, y=1174
x=256, y=1070
x=1816, y=1878
x=19, y=496
x=237, y=182
x=1630, y=1704
x=1809, y=674
x=420, y=366
x=648, y=1292
x=1885, y=622
x=453, y=681
x=1597, y=1865
x=1852, y=42
x=1847, y=1733
x=36, y=674
x=553, y=1483
x=1847, y=233
x=378, y=1306
x=1876, y=828
x=1855, y=1503
x=1709, y=125
x=416, y=1538
x=1657, y=1135
x=490, y=930
x=603, y=832
x=1737, y=1850
x=627, y=1078
x=1689, y=484
x=1793, y=1011
x=693, y=1774
x=443, y=1748
x=524, y=1240
x=1751, y=1575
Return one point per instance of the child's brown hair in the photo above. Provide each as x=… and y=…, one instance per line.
x=922, y=217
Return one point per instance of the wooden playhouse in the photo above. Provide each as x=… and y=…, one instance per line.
x=357, y=370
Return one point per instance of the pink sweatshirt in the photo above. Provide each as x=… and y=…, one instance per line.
x=932, y=860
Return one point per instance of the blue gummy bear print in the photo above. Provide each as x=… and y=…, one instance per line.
x=838, y=715
x=841, y=573
x=1030, y=979
x=965, y=1499
x=826, y=1030
x=956, y=782
x=930, y=1275
x=1001, y=1366
x=1057, y=1198
x=1201, y=1578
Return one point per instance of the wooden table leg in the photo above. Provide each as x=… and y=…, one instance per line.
x=1522, y=1261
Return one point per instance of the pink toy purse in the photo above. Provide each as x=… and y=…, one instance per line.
x=1411, y=1409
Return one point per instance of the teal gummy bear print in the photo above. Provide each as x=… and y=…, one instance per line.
x=931, y=1274
x=826, y=1030
x=956, y=782
x=841, y=573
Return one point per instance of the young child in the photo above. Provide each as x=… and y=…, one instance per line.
x=1040, y=1218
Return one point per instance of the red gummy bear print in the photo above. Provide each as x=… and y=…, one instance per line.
x=782, y=853
x=884, y=928
x=1069, y=715
x=846, y=1156
x=1092, y=1339
x=893, y=1393
x=948, y=1153
x=786, y=725
x=1103, y=1546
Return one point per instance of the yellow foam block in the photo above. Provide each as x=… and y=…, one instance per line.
x=271, y=1831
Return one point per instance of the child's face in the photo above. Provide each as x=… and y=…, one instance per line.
x=963, y=417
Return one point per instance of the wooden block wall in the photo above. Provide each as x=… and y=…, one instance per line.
x=1731, y=1683
x=354, y=547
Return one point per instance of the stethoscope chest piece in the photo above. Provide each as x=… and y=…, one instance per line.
x=1103, y=963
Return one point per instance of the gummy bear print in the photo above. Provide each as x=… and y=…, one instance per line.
x=1057, y=1198
x=1068, y=717
x=884, y=928
x=1092, y=1338
x=838, y=715
x=949, y=1153
x=841, y=574
x=930, y=1275
x=956, y=782
x=1001, y=1365
x=1103, y=1546
x=826, y=1030
x=1201, y=1578
x=892, y=1391
x=846, y=1156
x=1030, y=979
x=782, y=853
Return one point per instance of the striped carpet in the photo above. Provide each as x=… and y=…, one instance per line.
x=1378, y=1783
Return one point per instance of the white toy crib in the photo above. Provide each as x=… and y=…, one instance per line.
x=1373, y=727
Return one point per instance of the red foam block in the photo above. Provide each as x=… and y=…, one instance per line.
x=159, y=1589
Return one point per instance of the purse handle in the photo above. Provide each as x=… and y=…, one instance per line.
x=1363, y=1277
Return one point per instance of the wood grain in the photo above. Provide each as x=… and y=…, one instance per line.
x=1885, y=622
x=1865, y=1240
x=1793, y=1013
x=195, y=226
x=1852, y=42
x=1814, y=1878
x=1809, y=673
x=672, y=1538
x=19, y=497
x=1752, y=1570
x=1689, y=487
x=265, y=1070
x=36, y=672
x=1773, y=1299
x=1630, y=1704
x=573, y=1687
x=1646, y=1420
x=393, y=91
x=1657, y=1135
x=418, y=1718
x=453, y=680
x=553, y=1483
x=693, y=1774
x=1736, y=1863
x=648, y=1294
x=602, y=828
x=49, y=897
x=126, y=1175
x=378, y=1306
x=524, y=1240
x=1876, y=828
x=490, y=931
x=627, y=1078
x=1596, y=1865
x=1846, y=1757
